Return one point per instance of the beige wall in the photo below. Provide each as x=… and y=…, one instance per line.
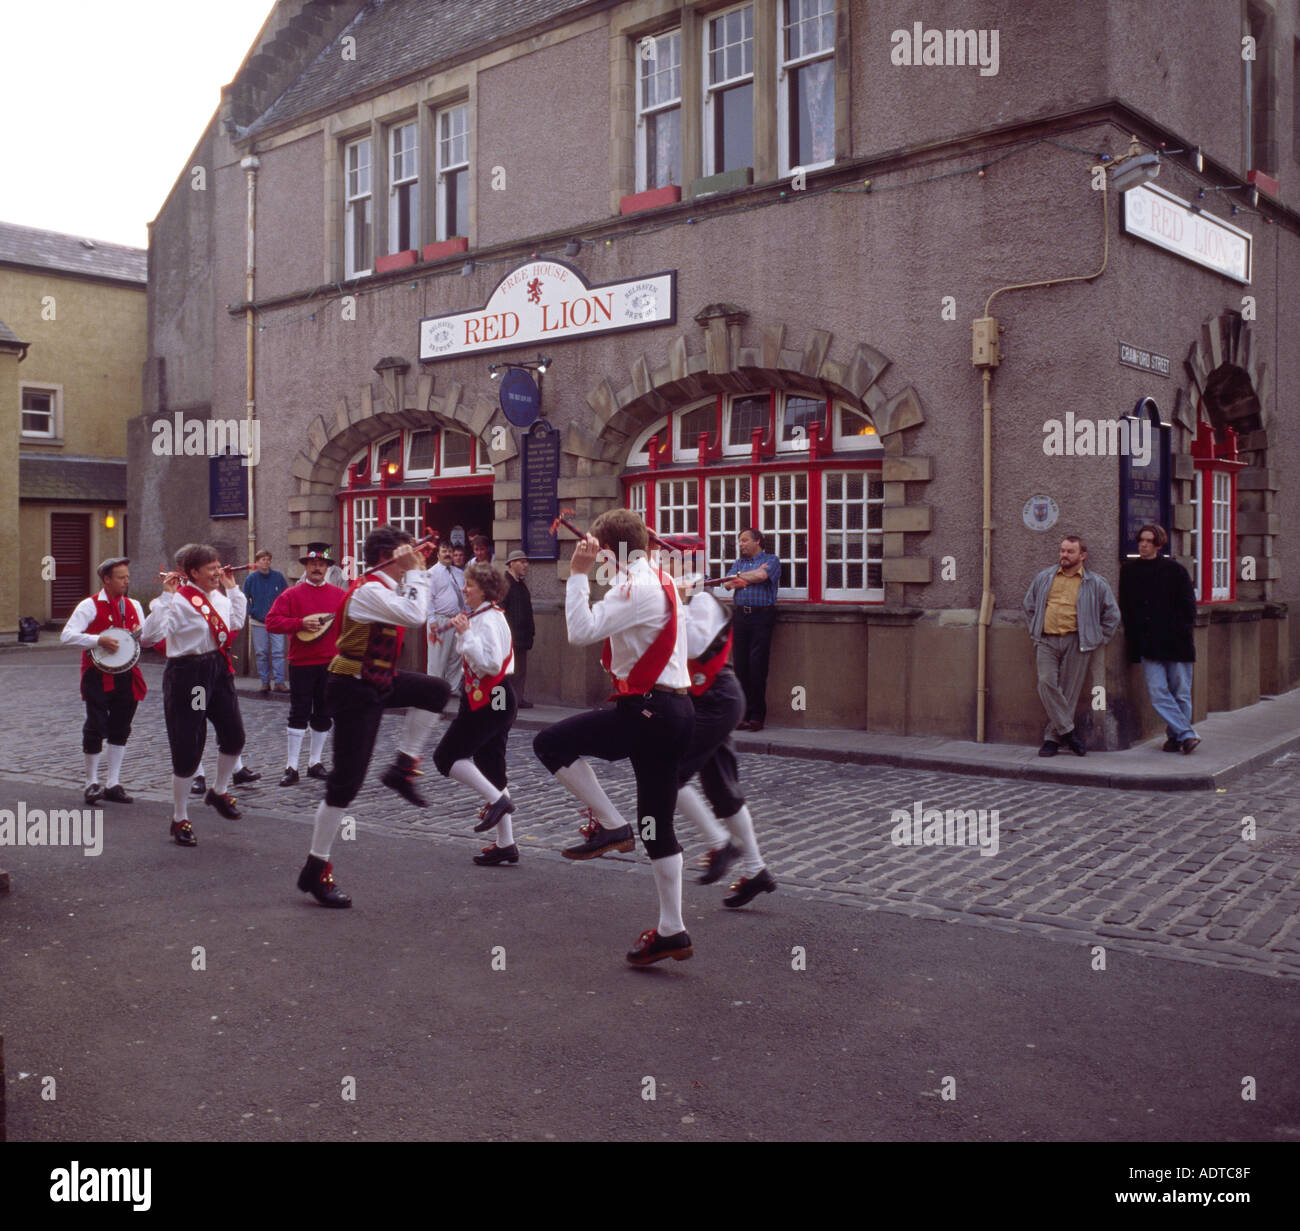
x=9, y=531
x=94, y=347
x=34, y=529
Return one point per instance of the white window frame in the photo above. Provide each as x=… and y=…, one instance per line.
x=800, y=443
x=411, y=522
x=1197, y=533
x=774, y=511
x=1220, y=540
x=659, y=107
x=55, y=434
x=785, y=84
x=357, y=520
x=741, y=450
x=419, y=472
x=403, y=171
x=443, y=468
x=866, y=593
x=723, y=497
x=636, y=498
x=852, y=443
x=376, y=466
x=639, y=453
x=445, y=167
x=714, y=88
x=355, y=199
x=689, y=450
x=677, y=505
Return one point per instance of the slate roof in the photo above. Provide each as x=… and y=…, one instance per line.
x=72, y=254
x=48, y=476
x=396, y=38
x=8, y=335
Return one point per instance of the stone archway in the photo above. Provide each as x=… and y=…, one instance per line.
x=732, y=362
x=378, y=410
x=1227, y=377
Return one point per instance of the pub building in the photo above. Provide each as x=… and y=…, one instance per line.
x=775, y=263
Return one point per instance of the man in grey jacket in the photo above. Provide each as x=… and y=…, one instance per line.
x=1070, y=612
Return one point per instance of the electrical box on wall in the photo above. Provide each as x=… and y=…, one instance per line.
x=984, y=342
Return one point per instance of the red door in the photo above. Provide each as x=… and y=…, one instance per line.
x=70, y=547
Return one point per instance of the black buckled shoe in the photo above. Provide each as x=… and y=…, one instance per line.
x=199, y=786
x=716, y=863
x=115, y=794
x=600, y=840
x=400, y=776
x=650, y=947
x=494, y=854
x=746, y=889
x=225, y=804
x=491, y=813
x=318, y=770
x=93, y=793
x=244, y=776
x=317, y=878
x=289, y=777
x=183, y=833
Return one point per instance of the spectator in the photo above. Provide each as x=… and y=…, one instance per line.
x=1070, y=612
x=1158, y=605
x=518, y=606
x=446, y=599
x=756, y=577
x=262, y=587
x=482, y=549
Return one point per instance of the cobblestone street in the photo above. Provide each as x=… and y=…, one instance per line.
x=1150, y=872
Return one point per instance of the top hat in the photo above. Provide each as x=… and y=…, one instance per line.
x=316, y=551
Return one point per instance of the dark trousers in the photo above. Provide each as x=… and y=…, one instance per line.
x=357, y=708
x=307, y=697
x=750, y=653
x=481, y=735
x=108, y=714
x=652, y=730
x=710, y=753
x=198, y=689
x=520, y=676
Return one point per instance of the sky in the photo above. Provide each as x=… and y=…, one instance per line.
x=104, y=100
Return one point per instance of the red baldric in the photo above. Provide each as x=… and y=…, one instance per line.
x=220, y=633
x=649, y=667
x=704, y=672
x=104, y=620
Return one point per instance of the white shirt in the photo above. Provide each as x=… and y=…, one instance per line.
x=631, y=615
x=175, y=620
x=382, y=601
x=445, y=595
x=486, y=642
x=705, y=619
x=74, y=631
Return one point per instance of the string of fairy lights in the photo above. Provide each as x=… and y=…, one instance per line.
x=321, y=296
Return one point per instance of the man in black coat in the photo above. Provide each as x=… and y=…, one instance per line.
x=1158, y=604
x=518, y=606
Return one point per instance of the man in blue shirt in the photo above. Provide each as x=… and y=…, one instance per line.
x=262, y=587
x=755, y=578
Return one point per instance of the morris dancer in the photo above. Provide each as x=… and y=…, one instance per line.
x=650, y=722
x=719, y=706
x=473, y=749
x=199, y=622
x=309, y=605
x=110, y=699
x=364, y=682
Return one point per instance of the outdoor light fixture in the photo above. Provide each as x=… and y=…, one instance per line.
x=1198, y=160
x=392, y=468
x=467, y=269
x=542, y=365
x=573, y=247
x=494, y=370
x=109, y=522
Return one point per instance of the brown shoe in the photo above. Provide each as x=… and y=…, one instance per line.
x=282, y=688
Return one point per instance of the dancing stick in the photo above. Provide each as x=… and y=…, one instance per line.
x=563, y=520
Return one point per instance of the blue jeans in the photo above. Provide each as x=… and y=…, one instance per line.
x=268, y=646
x=1169, y=685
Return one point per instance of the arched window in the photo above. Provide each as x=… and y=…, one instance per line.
x=1214, y=509
x=803, y=468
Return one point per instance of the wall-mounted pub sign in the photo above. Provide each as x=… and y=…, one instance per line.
x=1165, y=220
x=546, y=301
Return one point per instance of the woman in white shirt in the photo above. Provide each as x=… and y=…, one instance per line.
x=199, y=614
x=473, y=751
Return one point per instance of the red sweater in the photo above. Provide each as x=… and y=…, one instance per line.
x=286, y=616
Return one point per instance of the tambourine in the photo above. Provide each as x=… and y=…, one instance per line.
x=120, y=660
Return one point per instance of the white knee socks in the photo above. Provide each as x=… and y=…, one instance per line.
x=181, y=798
x=327, y=825
x=92, y=767
x=317, y=746
x=415, y=731
x=668, y=882
x=115, y=754
x=225, y=767
x=468, y=774
x=505, y=832
x=295, y=747
x=580, y=779
x=741, y=827
x=692, y=806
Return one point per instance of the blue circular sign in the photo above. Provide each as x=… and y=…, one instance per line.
x=521, y=400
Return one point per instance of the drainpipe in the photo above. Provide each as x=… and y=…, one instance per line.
x=250, y=165
x=985, y=355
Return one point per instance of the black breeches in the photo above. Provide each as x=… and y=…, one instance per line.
x=481, y=735
x=198, y=689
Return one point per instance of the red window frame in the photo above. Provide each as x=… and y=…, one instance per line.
x=1210, y=456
